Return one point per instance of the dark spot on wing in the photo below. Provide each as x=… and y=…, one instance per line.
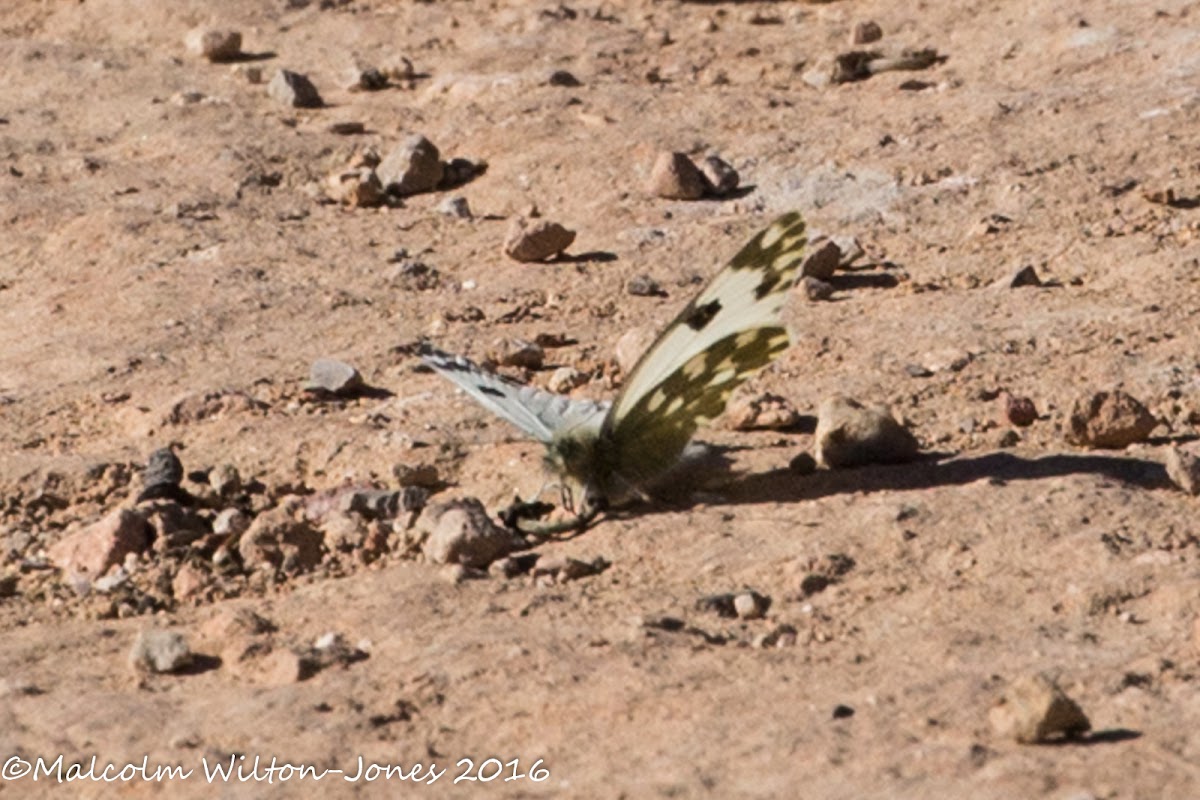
x=700, y=316
x=489, y=390
x=767, y=286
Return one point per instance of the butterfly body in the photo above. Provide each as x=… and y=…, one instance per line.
x=729, y=331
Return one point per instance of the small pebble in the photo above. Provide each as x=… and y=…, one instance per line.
x=412, y=167
x=1024, y=276
x=850, y=434
x=750, y=605
x=722, y=178
x=536, y=240
x=1020, y=411
x=815, y=290
x=560, y=77
x=455, y=206
x=159, y=650
x=675, y=177
x=294, y=90
x=1034, y=710
x=214, y=44
x=462, y=532
x=1109, y=420
x=866, y=32
x=336, y=377
x=644, y=286
x=822, y=260
x=1183, y=468
x=766, y=411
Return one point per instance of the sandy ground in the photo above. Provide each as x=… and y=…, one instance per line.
x=170, y=265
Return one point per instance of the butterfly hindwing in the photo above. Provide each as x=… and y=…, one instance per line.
x=728, y=332
x=542, y=415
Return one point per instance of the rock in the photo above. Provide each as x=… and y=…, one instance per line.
x=750, y=605
x=866, y=32
x=561, y=569
x=852, y=250
x=783, y=635
x=231, y=522
x=103, y=544
x=161, y=477
x=158, y=650
x=365, y=79
x=517, y=353
x=644, y=286
x=385, y=504
x=1109, y=420
x=461, y=532
x=721, y=177
x=189, y=582
x=251, y=73
x=564, y=379
x=675, y=177
x=822, y=260
x=349, y=127
x=359, y=188
x=294, y=90
x=631, y=346
x=560, y=77
x=1020, y=411
x=9, y=584
x=803, y=464
x=232, y=622
x=455, y=206
x=947, y=360
x=536, y=240
x=815, y=289
x=414, y=166
x=1183, y=468
x=174, y=526
x=225, y=480
x=765, y=412
x=421, y=475
x=458, y=171
x=1034, y=709
x=333, y=376
x=1025, y=276
x=276, y=538
x=850, y=434
x=214, y=44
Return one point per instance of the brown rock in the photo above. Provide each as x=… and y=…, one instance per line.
x=190, y=581
x=103, y=544
x=1034, y=709
x=815, y=289
x=414, y=166
x=1109, y=420
x=517, y=353
x=850, y=434
x=536, y=240
x=866, y=32
x=675, y=177
x=1020, y=411
x=278, y=538
x=214, y=44
x=1183, y=468
x=764, y=412
x=360, y=188
x=822, y=260
x=461, y=532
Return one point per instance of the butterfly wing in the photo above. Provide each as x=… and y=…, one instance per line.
x=539, y=414
x=728, y=332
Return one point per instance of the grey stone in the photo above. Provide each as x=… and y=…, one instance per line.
x=455, y=206
x=1034, y=709
x=412, y=167
x=722, y=178
x=158, y=650
x=822, y=260
x=461, y=532
x=1183, y=468
x=850, y=434
x=294, y=90
x=336, y=377
x=214, y=44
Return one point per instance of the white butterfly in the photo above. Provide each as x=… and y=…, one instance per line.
x=607, y=452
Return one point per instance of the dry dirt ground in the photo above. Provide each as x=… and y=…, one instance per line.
x=170, y=266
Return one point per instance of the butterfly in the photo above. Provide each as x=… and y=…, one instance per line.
x=606, y=452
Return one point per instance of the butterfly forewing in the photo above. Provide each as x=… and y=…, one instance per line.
x=727, y=333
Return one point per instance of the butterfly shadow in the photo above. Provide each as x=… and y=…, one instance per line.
x=785, y=485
